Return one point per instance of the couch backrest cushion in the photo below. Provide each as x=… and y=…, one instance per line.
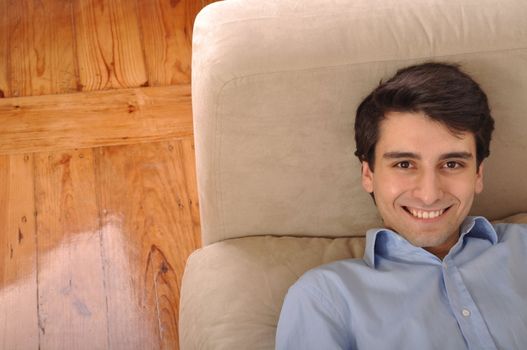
x=276, y=84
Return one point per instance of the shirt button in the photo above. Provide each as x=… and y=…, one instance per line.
x=465, y=312
x=445, y=265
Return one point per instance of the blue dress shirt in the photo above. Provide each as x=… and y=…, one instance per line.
x=402, y=297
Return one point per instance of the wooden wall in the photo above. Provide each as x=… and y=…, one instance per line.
x=98, y=203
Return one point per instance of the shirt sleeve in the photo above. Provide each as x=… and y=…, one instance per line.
x=309, y=320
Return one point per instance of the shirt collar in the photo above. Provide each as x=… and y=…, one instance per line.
x=385, y=242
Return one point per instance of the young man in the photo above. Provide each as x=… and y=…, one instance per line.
x=433, y=278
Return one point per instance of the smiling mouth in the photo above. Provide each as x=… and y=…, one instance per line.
x=425, y=214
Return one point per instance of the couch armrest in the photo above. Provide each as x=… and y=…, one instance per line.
x=233, y=290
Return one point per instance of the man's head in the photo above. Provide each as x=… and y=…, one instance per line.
x=421, y=137
x=441, y=91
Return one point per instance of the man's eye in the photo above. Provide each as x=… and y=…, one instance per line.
x=403, y=165
x=452, y=165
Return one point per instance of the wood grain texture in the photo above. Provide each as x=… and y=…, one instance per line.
x=56, y=122
x=148, y=233
x=38, y=48
x=72, y=295
x=20, y=39
x=186, y=152
x=18, y=271
x=56, y=66
x=108, y=44
x=166, y=289
x=4, y=52
x=100, y=266
x=167, y=37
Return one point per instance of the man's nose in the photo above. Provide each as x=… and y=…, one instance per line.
x=428, y=188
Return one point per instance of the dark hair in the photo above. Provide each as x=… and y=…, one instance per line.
x=441, y=91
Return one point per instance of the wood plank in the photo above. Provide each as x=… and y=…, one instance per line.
x=128, y=223
x=19, y=42
x=187, y=153
x=167, y=26
x=56, y=68
x=39, y=48
x=108, y=42
x=188, y=239
x=4, y=52
x=72, y=296
x=18, y=271
x=166, y=289
x=149, y=231
x=83, y=120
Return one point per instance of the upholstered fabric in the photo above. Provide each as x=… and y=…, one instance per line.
x=276, y=84
x=233, y=290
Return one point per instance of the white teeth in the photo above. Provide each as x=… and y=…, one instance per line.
x=422, y=214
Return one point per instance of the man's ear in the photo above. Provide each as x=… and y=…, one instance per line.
x=367, y=177
x=479, y=179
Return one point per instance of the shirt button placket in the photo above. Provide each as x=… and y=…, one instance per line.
x=469, y=319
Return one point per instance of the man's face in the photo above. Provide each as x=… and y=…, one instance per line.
x=424, y=179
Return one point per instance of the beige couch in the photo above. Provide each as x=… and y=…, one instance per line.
x=275, y=87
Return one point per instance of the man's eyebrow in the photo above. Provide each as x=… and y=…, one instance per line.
x=411, y=155
x=458, y=155
x=398, y=155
